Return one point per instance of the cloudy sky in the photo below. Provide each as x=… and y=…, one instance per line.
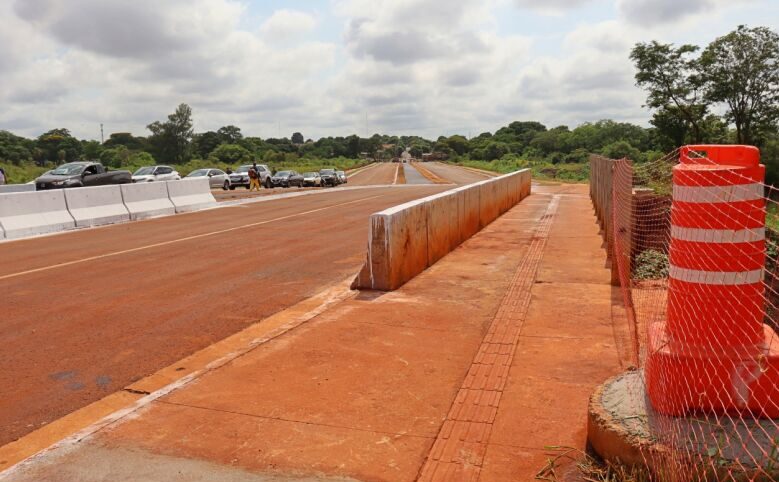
x=336, y=67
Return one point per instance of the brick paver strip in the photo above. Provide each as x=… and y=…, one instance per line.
x=458, y=451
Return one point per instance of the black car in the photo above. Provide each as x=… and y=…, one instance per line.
x=287, y=179
x=79, y=174
x=329, y=177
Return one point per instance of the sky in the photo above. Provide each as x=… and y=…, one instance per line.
x=339, y=67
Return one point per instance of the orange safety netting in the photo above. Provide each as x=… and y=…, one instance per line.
x=694, y=239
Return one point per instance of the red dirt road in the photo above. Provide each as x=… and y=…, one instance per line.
x=381, y=173
x=86, y=313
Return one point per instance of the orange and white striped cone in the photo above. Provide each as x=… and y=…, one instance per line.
x=714, y=353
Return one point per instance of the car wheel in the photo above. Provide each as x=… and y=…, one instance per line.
x=226, y=185
x=248, y=187
x=232, y=188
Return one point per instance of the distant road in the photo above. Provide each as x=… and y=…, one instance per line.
x=88, y=312
x=413, y=176
x=456, y=174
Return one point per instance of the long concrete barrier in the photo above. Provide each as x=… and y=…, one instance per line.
x=25, y=214
x=147, y=199
x=6, y=188
x=405, y=240
x=190, y=194
x=95, y=206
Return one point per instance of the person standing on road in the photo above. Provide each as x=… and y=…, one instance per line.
x=2, y=176
x=254, y=178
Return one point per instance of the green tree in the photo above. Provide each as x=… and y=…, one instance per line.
x=672, y=77
x=297, y=138
x=231, y=154
x=170, y=140
x=229, y=134
x=115, y=156
x=203, y=144
x=57, y=145
x=742, y=70
x=91, y=150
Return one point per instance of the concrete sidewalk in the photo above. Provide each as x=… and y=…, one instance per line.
x=465, y=373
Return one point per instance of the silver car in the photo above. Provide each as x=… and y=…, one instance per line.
x=216, y=177
x=342, y=176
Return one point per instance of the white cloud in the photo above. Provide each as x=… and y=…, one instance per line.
x=284, y=25
x=427, y=67
x=552, y=7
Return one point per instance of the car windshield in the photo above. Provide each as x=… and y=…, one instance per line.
x=242, y=169
x=282, y=174
x=309, y=174
x=326, y=171
x=340, y=173
x=68, y=170
x=144, y=171
x=198, y=173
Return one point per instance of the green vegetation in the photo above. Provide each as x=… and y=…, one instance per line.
x=651, y=264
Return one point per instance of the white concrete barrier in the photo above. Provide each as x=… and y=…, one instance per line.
x=147, y=199
x=405, y=240
x=6, y=188
x=95, y=206
x=191, y=194
x=30, y=213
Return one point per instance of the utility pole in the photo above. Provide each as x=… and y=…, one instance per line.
x=102, y=140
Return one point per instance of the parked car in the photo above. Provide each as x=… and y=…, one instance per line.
x=156, y=173
x=79, y=174
x=329, y=177
x=240, y=177
x=312, y=179
x=342, y=177
x=287, y=179
x=216, y=177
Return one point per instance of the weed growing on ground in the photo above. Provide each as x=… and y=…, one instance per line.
x=651, y=264
x=589, y=469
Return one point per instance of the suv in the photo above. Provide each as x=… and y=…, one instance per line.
x=155, y=173
x=329, y=177
x=240, y=177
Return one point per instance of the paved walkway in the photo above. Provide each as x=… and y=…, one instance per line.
x=465, y=373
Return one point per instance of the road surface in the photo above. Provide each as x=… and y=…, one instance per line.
x=413, y=176
x=456, y=175
x=380, y=173
x=88, y=312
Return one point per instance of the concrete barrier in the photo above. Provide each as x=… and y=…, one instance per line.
x=147, y=199
x=405, y=240
x=190, y=194
x=95, y=206
x=31, y=213
x=6, y=188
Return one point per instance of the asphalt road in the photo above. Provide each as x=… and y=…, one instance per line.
x=413, y=176
x=89, y=312
x=456, y=174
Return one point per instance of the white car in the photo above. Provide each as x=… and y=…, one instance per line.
x=156, y=173
x=216, y=177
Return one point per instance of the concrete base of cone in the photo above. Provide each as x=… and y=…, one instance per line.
x=623, y=428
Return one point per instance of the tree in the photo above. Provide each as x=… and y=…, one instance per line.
x=203, y=144
x=229, y=134
x=170, y=140
x=672, y=78
x=742, y=70
x=115, y=156
x=57, y=145
x=125, y=139
x=231, y=154
x=297, y=138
